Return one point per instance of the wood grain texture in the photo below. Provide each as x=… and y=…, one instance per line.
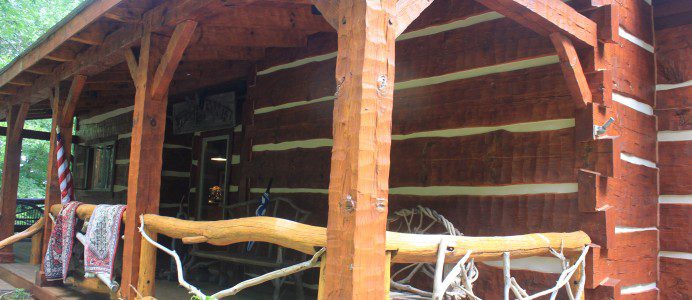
x=672, y=54
x=546, y=17
x=52, y=185
x=676, y=167
x=16, y=115
x=407, y=11
x=572, y=70
x=360, y=155
x=633, y=71
x=530, y=95
x=676, y=232
x=637, y=131
x=636, y=18
x=634, y=251
x=675, y=281
x=154, y=73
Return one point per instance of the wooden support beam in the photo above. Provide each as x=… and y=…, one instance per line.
x=546, y=17
x=329, y=9
x=125, y=15
x=359, y=176
x=61, y=55
x=40, y=70
x=92, y=35
x=571, y=68
x=154, y=73
x=212, y=37
x=71, y=102
x=16, y=115
x=97, y=59
x=29, y=134
x=171, y=58
x=407, y=11
x=73, y=26
x=132, y=63
x=65, y=122
x=205, y=53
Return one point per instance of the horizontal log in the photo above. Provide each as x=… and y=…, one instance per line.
x=448, y=52
x=674, y=119
x=635, y=18
x=672, y=54
x=494, y=158
x=675, y=229
x=637, y=132
x=530, y=95
x=634, y=251
x=676, y=279
x=675, y=167
x=409, y=247
x=633, y=71
x=633, y=195
x=29, y=134
x=307, y=239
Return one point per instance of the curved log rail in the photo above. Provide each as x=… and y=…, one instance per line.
x=406, y=247
x=26, y=233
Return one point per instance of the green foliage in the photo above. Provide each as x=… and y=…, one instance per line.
x=34, y=163
x=16, y=294
x=24, y=21
x=21, y=23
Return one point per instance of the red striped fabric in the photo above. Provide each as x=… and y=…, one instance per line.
x=64, y=176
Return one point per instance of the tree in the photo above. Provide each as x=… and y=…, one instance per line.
x=22, y=22
x=34, y=161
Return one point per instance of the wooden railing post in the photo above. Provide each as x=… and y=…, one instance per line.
x=152, y=74
x=63, y=118
x=10, y=175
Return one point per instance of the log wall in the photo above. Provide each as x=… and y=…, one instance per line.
x=114, y=123
x=673, y=90
x=484, y=131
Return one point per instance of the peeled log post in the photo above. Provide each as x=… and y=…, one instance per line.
x=410, y=248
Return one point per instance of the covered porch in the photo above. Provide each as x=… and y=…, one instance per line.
x=194, y=109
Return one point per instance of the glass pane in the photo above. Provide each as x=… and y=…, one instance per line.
x=213, y=179
x=103, y=167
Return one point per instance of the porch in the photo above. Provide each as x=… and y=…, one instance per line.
x=189, y=112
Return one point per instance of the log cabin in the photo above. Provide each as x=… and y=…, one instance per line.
x=508, y=117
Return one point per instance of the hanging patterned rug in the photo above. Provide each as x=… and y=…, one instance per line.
x=102, y=234
x=60, y=243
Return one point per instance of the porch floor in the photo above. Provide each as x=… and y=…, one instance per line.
x=21, y=274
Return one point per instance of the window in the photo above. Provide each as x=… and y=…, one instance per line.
x=94, y=166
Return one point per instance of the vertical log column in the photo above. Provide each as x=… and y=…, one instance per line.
x=359, y=178
x=62, y=116
x=16, y=115
x=152, y=74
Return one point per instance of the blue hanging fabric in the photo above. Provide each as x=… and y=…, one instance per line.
x=261, y=208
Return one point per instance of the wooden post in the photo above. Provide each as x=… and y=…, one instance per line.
x=10, y=175
x=36, y=245
x=63, y=117
x=152, y=75
x=359, y=178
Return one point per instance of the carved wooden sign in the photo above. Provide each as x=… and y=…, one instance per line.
x=202, y=113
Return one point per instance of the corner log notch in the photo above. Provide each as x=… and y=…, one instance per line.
x=152, y=75
x=62, y=118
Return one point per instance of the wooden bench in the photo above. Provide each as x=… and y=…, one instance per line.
x=264, y=256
